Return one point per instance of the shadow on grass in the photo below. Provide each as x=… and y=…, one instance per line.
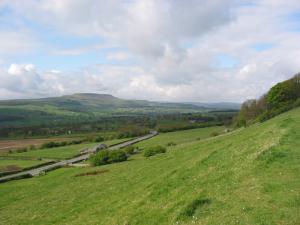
x=91, y=173
x=190, y=209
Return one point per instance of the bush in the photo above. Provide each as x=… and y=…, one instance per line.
x=98, y=139
x=117, y=156
x=101, y=158
x=129, y=150
x=214, y=134
x=154, y=150
x=75, y=142
x=52, y=144
x=21, y=150
x=32, y=147
x=106, y=157
x=171, y=143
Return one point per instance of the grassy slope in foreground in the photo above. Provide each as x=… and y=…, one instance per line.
x=250, y=176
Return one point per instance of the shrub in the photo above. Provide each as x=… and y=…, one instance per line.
x=214, y=134
x=52, y=144
x=106, y=157
x=171, y=143
x=75, y=142
x=154, y=150
x=32, y=147
x=117, y=156
x=64, y=143
x=21, y=150
x=129, y=150
x=98, y=139
x=101, y=158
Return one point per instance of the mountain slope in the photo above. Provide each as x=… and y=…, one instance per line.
x=249, y=176
x=218, y=105
x=79, y=107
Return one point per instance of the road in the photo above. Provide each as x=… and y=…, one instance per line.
x=43, y=169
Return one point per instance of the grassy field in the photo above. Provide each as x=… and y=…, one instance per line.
x=180, y=137
x=55, y=153
x=63, y=152
x=17, y=143
x=31, y=157
x=18, y=163
x=249, y=176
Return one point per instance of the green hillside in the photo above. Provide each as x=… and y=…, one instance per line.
x=87, y=113
x=248, y=176
x=80, y=107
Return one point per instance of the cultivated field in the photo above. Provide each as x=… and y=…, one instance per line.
x=14, y=161
x=6, y=145
x=249, y=176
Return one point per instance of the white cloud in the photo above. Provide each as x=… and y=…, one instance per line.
x=173, y=44
x=15, y=42
x=120, y=56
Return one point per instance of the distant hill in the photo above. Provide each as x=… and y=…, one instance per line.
x=218, y=105
x=86, y=112
x=81, y=106
x=94, y=103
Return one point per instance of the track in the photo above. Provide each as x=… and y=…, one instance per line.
x=44, y=169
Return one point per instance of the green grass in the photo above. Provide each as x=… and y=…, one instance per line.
x=54, y=153
x=62, y=152
x=19, y=163
x=249, y=176
x=180, y=137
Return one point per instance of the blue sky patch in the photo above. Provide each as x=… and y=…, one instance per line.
x=263, y=46
x=225, y=61
x=293, y=21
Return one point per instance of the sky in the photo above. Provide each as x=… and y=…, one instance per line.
x=171, y=50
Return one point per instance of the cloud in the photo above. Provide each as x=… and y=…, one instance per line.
x=120, y=56
x=16, y=42
x=20, y=79
x=218, y=50
x=145, y=26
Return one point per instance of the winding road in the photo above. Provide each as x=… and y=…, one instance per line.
x=43, y=169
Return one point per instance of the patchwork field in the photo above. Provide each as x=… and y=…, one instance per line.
x=17, y=161
x=249, y=176
x=6, y=145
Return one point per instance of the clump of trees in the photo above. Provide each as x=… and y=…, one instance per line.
x=154, y=150
x=93, y=138
x=132, y=131
x=107, y=157
x=280, y=98
x=53, y=144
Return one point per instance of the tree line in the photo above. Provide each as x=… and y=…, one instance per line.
x=280, y=98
